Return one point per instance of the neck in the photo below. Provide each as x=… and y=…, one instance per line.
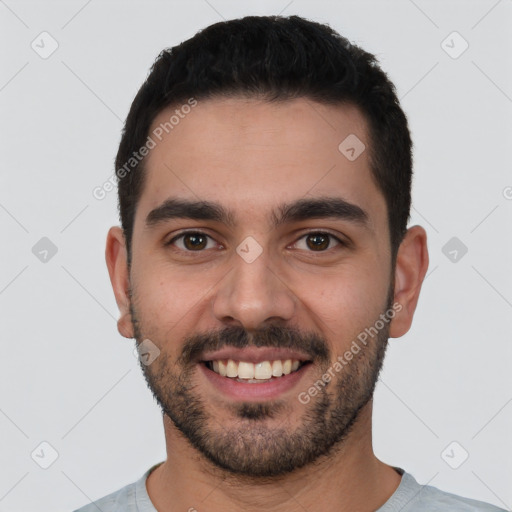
x=350, y=479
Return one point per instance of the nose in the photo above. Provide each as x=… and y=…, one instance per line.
x=253, y=295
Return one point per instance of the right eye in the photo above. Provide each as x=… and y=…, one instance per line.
x=192, y=241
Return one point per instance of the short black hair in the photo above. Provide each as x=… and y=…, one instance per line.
x=275, y=58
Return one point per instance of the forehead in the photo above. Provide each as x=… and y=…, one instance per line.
x=251, y=155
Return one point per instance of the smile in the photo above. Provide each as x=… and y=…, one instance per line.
x=254, y=373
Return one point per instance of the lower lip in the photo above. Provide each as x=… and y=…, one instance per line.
x=257, y=391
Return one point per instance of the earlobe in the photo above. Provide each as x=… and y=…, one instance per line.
x=117, y=264
x=410, y=270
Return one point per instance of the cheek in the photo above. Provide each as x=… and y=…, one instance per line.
x=166, y=299
x=344, y=303
x=169, y=300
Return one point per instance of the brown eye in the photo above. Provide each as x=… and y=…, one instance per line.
x=318, y=241
x=192, y=241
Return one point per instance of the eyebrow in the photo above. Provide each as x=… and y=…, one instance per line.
x=302, y=209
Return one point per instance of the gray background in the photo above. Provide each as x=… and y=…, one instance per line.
x=70, y=380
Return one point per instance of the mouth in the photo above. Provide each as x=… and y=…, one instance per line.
x=254, y=373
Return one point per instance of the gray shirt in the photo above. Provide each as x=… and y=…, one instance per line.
x=408, y=497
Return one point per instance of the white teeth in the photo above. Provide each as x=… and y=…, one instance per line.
x=277, y=368
x=262, y=370
x=222, y=368
x=246, y=370
x=231, y=369
x=250, y=372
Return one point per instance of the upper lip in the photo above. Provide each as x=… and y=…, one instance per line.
x=254, y=354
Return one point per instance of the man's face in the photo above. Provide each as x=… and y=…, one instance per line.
x=279, y=273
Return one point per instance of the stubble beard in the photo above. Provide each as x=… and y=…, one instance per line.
x=246, y=445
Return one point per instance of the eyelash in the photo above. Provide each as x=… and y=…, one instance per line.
x=201, y=233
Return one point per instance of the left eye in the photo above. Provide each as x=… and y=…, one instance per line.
x=193, y=241
x=317, y=242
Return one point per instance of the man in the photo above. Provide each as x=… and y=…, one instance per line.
x=263, y=262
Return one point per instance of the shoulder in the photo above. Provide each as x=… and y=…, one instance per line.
x=431, y=496
x=413, y=497
x=131, y=498
x=120, y=500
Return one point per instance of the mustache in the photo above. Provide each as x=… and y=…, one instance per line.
x=312, y=344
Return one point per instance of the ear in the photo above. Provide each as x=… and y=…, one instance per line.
x=410, y=270
x=117, y=263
